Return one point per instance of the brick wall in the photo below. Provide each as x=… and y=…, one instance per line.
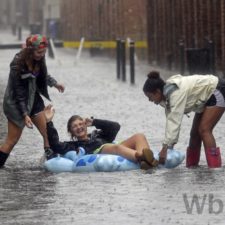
x=193, y=21
x=104, y=20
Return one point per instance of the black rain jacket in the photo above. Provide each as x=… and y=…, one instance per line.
x=105, y=133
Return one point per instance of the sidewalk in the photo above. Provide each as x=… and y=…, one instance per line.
x=6, y=36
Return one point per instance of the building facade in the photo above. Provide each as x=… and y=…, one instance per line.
x=22, y=13
x=51, y=18
x=193, y=22
x=104, y=20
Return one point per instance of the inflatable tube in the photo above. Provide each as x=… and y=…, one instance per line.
x=174, y=158
x=73, y=162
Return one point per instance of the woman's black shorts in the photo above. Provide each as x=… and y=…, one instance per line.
x=38, y=105
x=218, y=96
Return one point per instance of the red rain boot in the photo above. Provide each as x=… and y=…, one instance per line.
x=192, y=157
x=213, y=157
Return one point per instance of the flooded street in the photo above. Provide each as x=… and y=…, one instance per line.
x=30, y=195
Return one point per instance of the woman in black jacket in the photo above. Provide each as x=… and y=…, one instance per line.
x=23, y=105
x=135, y=148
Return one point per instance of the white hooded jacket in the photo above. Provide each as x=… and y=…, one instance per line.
x=189, y=95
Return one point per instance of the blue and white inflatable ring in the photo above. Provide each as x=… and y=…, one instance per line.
x=73, y=162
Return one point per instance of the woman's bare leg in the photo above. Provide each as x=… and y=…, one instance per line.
x=193, y=151
x=14, y=134
x=195, y=138
x=211, y=116
x=209, y=119
x=117, y=149
x=136, y=142
x=40, y=122
x=130, y=148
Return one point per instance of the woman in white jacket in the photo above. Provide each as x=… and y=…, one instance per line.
x=202, y=94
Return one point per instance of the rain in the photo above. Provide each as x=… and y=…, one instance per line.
x=104, y=80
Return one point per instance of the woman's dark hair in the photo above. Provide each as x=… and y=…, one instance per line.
x=153, y=82
x=25, y=58
x=70, y=121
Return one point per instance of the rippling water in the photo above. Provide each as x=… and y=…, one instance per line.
x=30, y=195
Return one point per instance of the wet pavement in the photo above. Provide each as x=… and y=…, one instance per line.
x=30, y=195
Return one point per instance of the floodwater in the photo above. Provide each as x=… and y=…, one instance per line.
x=30, y=195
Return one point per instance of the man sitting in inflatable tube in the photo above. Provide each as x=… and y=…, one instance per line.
x=100, y=141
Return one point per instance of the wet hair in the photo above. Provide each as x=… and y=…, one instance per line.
x=25, y=58
x=70, y=121
x=153, y=82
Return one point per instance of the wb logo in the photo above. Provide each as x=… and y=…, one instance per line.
x=215, y=206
